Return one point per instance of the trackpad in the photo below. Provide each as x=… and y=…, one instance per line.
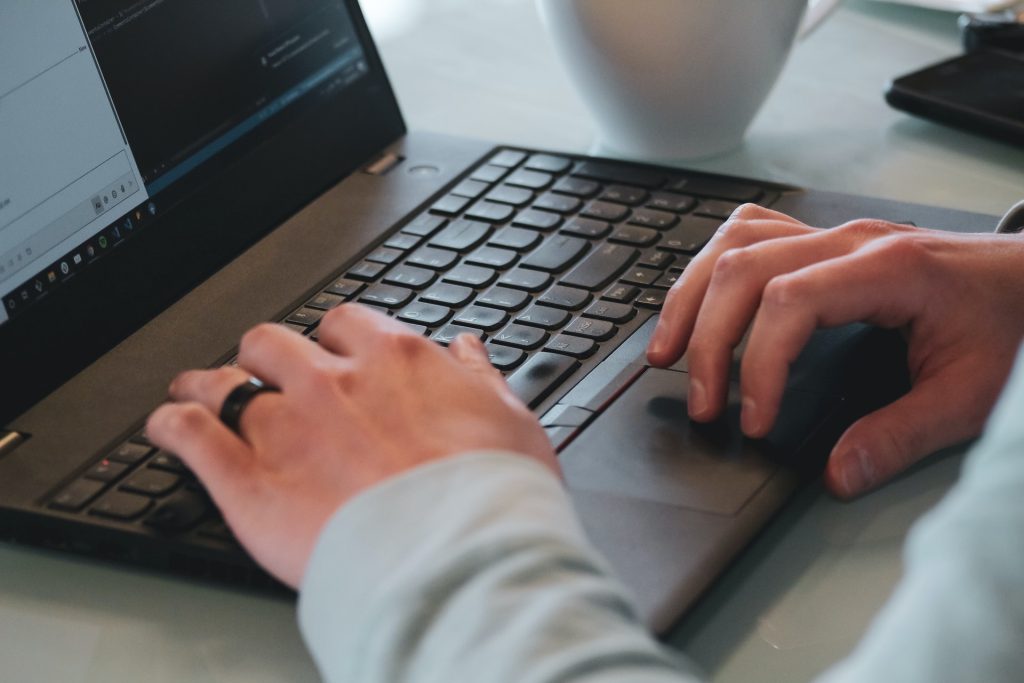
x=644, y=446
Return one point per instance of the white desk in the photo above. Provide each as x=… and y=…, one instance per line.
x=802, y=595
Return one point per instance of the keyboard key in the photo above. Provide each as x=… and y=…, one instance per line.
x=660, y=220
x=420, y=330
x=471, y=189
x=451, y=205
x=508, y=158
x=652, y=298
x=622, y=294
x=449, y=333
x=131, y=453
x=106, y=471
x=505, y=357
x=587, y=227
x=667, y=201
x=557, y=254
x=492, y=257
x=447, y=294
x=577, y=187
x=527, y=280
x=492, y=212
x=431, y=257
x=721, y=189
x=548, y=163
x=489, y=173
x=605, y=211
x=425, y=225
x=367, y=271
x=577, y=347
x=521, y=337
x=386, y=296
x=506, y=194
x=634, y=234
x=558, y=203
x=540, y=376
x=599, y=269
x=503, y=298
x=625, y=175
x=624, y=194
x=531, y=180
x=345, y=288
x=680, y=264
x=569, y=298
x=149, y=482
x=422, y=313
x=121, y=506
x=690, y=235
x=656, y=259
x=325, y=301
x=461, y=235
x=179, y=513
x=599, y=330
x=544, y=317
x=385, y=255
x=305, y=317
x=403, y=241
x=643, y=277
x=537, y=220
x=411, y=277
x=716, y=208
x=519, y=239
x=171, y=463
x=611, y=311
x=77, y=495
x=666, y=281
x=481, y=317
x=471, y=276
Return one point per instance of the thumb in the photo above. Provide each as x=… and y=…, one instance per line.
x=884, y=443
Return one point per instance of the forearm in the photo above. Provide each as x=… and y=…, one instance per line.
x=472, y=569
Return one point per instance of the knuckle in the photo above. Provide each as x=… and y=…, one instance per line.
x=183, y=418
x=783, y=291
x=748, y=212
x=406, y=345
x=732, y=263
x=905, y=249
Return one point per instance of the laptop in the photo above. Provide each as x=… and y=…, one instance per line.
x=172, y=173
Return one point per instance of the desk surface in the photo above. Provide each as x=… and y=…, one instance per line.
x=802, y=595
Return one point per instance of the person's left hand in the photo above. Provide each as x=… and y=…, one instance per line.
x=371, y=401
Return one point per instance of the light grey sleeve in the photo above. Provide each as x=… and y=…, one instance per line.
x=958, y=613
x=471, y=569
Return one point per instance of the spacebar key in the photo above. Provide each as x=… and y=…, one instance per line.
x=535, y=380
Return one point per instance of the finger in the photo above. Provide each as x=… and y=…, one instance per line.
x=869, y=285
x=744, y=228
x=472, y=353
x=731, y=300
x=210, y=388
x=880, y=445
x=278, y=355
x=217, y=455
x=355, y=330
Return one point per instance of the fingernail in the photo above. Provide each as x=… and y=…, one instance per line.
x=698, y=400
x=657, y=344
x=750, y=420
x=858, y=471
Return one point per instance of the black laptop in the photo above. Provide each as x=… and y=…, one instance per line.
x=172, y=173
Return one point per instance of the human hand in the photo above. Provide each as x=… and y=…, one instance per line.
x=371, y=401
x=959, y=300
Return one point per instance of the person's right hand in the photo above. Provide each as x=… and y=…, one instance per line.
x=958, y=298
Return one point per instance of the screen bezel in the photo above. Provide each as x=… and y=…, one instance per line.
x=73, y=325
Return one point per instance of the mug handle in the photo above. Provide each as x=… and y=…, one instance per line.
x=817, y=11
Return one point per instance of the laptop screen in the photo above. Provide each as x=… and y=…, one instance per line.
x=109, y=110
x=146, y=143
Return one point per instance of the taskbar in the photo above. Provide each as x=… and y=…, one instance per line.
x=64, y=269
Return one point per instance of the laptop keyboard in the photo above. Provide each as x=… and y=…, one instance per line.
x=551, y=261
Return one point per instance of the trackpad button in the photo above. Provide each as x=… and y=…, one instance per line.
x=644, y=446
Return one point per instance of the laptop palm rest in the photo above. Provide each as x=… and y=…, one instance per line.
x=670, y=502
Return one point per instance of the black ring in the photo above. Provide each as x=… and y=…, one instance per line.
x=234, y=405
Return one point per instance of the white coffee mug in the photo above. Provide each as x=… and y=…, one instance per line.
x=675, y=79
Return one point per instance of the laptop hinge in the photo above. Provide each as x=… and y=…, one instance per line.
x=384, y=164
x=9, y=441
